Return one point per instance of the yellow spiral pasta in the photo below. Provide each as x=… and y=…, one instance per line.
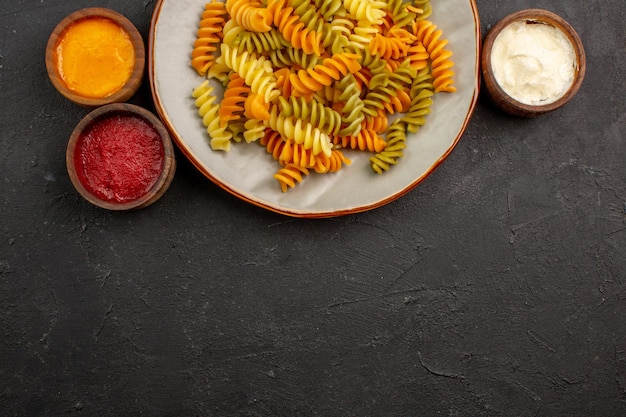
x=254, y=130
x=208, y=110
x=368, y=10
x=313, y=80
x=300, y=132
x=257, y=73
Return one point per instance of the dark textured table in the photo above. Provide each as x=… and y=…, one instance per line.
x=495, y=288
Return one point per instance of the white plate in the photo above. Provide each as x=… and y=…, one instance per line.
x=247, y=170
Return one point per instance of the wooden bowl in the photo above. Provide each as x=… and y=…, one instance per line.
x=133, y=81
x=495, y=91
x=120, y=157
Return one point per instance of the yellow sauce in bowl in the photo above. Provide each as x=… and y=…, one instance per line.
x=95, y=57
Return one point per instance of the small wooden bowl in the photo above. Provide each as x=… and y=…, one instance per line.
x=109, y=156
x=134, y=81
x=503, y=100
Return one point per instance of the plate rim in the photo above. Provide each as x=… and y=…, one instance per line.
x=184, y=149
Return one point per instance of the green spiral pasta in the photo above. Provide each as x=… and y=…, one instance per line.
x=396, y=143
x=400, y=15
x=281, y=58
x=402, y=76
x=260, y=42
x=426, y=8
x=324, y=118
x=375, y=63
x=352, y=114
x=329, y=8
x=376, y=99
x=422, y=91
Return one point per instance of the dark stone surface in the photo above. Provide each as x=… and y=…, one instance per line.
x=496, y=288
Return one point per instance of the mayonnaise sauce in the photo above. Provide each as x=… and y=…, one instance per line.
x=533, y=62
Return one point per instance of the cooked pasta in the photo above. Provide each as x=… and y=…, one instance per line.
x=441, y=62
x=320, y=116
x=312, y=80
x=290, y=175
x=366, y=140
x=250, y=14
x=208, y=36
x=208, y=110
x=396, y=143
x=300, y=131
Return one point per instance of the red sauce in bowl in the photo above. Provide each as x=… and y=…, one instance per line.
x=119, y=158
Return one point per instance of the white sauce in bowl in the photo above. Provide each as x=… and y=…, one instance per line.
x=534, y=62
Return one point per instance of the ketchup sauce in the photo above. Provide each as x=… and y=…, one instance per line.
x=119, y=158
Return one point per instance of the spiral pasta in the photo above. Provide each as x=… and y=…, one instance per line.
x=271, y=40
x=257, y=73
x=232, y=106
x=250, y=14
x=441, y=64
x=368, y=10
x=365, y=140
x=393, y=151
x=320, y=116
x=312, y=80
x=292, y=28
x=422, y=91
x=324, y=74
x=300, y=131
x=351, y=106
x=208, y=110
x=208, y=36
x=290, y=175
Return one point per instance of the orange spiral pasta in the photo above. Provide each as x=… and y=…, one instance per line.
x=293, y=29
x=231, y=107
x=208, y=36
x=331, y=163
x=377, y=123
x=255, y=107
x=388, y=47
x=324, y=74
x=290, y=175
x=441, y=64
x=418, y=55
x=250, y=14
x=398, y=103
x=365, y=140
x=275, y=145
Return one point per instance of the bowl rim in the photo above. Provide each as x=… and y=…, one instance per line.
x=169, y=161
x=134, y=81
x=513, y=105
